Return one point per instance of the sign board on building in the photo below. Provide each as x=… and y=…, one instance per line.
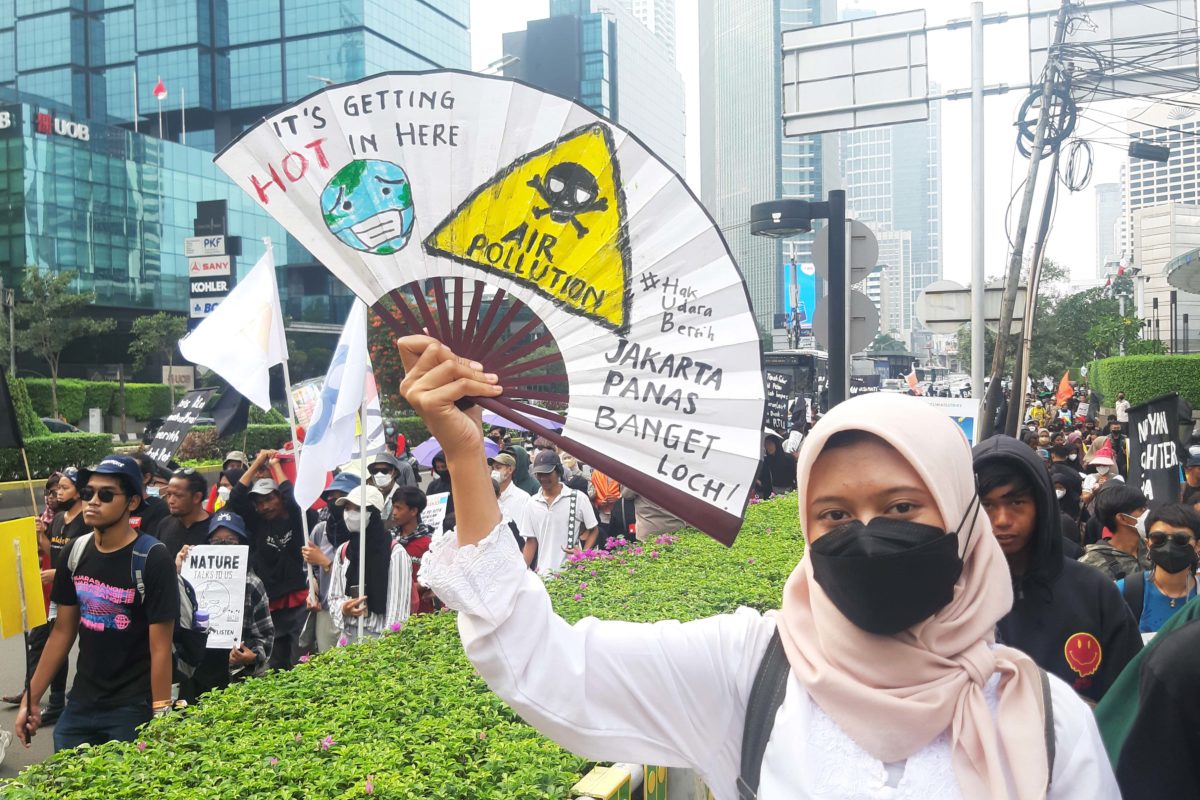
x=205, y=266
x=180, y=377
x=196, y=246
x=855, y=74
x=200, y=308
x=7, y=119
x=210, y=287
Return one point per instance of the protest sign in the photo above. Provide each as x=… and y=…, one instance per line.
x=218, y=574
x=174, y=429
x=20, y=580
x=779, y=387
x=635, y=322
x=435, y=511
x=963, y=410
x=1154, y=449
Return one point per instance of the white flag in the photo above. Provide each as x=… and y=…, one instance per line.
x=330, y=437
x=243, y=337
x=376, y=441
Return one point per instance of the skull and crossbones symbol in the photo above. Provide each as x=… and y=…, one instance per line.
x=568, y=191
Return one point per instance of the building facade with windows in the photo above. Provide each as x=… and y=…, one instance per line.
x=598, y=53
x=88, y=184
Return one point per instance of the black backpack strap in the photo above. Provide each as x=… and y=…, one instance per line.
x=766, y=695
x=1051, y=746
x=1134, y=592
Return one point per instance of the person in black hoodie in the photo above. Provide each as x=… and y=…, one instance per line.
x=777, y=471
x=1069, y=617
x=1067, y=486
x=276, y=527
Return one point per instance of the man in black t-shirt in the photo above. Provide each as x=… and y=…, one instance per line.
x=64, y=527
x=188, y=523
x=124, y=663
x=153, y=509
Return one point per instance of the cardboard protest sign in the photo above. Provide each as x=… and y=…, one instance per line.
x=20, y=579
x=1154, y=449
x=218, y=574
x=434, y=514
x=779, y=387
x=548, y=244
x=174, y=428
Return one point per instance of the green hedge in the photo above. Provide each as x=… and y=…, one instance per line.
x=409, y=709
x=27, y=419
x=54, y=451
x=413, y=428
x=1144, y=378
x=75, y=397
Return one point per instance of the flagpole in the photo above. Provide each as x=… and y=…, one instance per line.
x=363, y=512
x=135, y=99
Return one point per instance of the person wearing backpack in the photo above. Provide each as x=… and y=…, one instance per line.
x=1154, y=595
x=885, y=676
x=121, y=597
x=387, y=598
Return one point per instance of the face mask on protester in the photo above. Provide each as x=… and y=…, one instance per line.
x=1102, y=470
x=1060, y=493
x=152, y=491
x=1139, y=522
x=223, y=493
x=1174, y=557
x=381, y=479
x=497, y=476
x=1073, y=456
x=353, y=518
x=889, y=574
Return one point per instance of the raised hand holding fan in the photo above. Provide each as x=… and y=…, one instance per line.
x=547, y=243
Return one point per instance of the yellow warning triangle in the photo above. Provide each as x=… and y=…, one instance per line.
x=553, y=220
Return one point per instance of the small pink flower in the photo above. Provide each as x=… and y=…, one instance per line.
x=749, y=560
x=583, y=586
x=343, y=641
x=298, y=738
x=394, y=627
x=632, y=570
x=327, y=743
x=273, y=761
x=654, y=554
x=578, y=597
x=369, y=787
x=304, y=659
x=592, y=573
x=141, y=746
x=482, y=735
x=770, y=529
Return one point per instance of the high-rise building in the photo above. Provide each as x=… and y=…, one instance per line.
x=224, y=63
x=659, y=17
x=597, y=52
x=1163, y=232
x=744, y=156
x=1108, y=215
x=85, y=192
x=1172, y=187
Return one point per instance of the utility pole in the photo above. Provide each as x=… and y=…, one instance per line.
x=1009, y=299
x=978, y=279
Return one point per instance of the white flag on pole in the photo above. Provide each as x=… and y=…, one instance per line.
x=243, y=337
x=330, y=439
x=374, y=424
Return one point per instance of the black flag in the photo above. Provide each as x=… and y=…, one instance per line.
x=230, y=413
x=1154, y=449
x=10, y=429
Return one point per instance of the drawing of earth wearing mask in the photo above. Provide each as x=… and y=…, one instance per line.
x=368, y=205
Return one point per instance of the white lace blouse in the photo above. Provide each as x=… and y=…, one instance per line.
x=674, y=694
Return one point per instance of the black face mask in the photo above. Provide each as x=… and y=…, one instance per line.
x=70, y=502
x=335, y=526
x=889, y=574
x=1174, y=557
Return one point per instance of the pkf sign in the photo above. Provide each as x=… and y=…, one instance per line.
x=196, y=246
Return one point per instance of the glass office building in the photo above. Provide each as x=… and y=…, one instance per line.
x=81, y=190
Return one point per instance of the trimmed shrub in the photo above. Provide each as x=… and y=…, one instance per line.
x=145, y=400
x=434, y=729
x=102, y=395
x=71, y=395
x=259, y=417
x=27, y=419
x=1144, y=378
x=55, y=451
x=413, y=428
x=75, y=397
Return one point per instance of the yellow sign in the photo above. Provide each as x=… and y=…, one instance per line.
x=18, y=538
x=554, y=219
x=606, y=783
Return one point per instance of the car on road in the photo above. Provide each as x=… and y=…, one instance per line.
x=58, y=426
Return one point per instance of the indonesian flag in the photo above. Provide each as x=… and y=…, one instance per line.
x=160, y=91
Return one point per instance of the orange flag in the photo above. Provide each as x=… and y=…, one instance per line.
x=1065, y=391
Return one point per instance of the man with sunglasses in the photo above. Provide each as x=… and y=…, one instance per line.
x=188, y=523
x=124, y=662
x=1156, y=594
x=388, y=473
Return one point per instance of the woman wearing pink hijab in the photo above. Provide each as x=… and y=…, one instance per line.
x=895, y=685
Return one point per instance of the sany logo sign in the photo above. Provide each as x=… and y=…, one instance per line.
x=46, y=123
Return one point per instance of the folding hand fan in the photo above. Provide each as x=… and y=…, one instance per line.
x=547, y=243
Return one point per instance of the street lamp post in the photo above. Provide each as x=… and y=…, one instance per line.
x=782, y=219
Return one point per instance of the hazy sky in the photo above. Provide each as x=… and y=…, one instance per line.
x=1006, y=61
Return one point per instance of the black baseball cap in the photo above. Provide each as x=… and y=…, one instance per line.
x=115, y=464
x=546, y=461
